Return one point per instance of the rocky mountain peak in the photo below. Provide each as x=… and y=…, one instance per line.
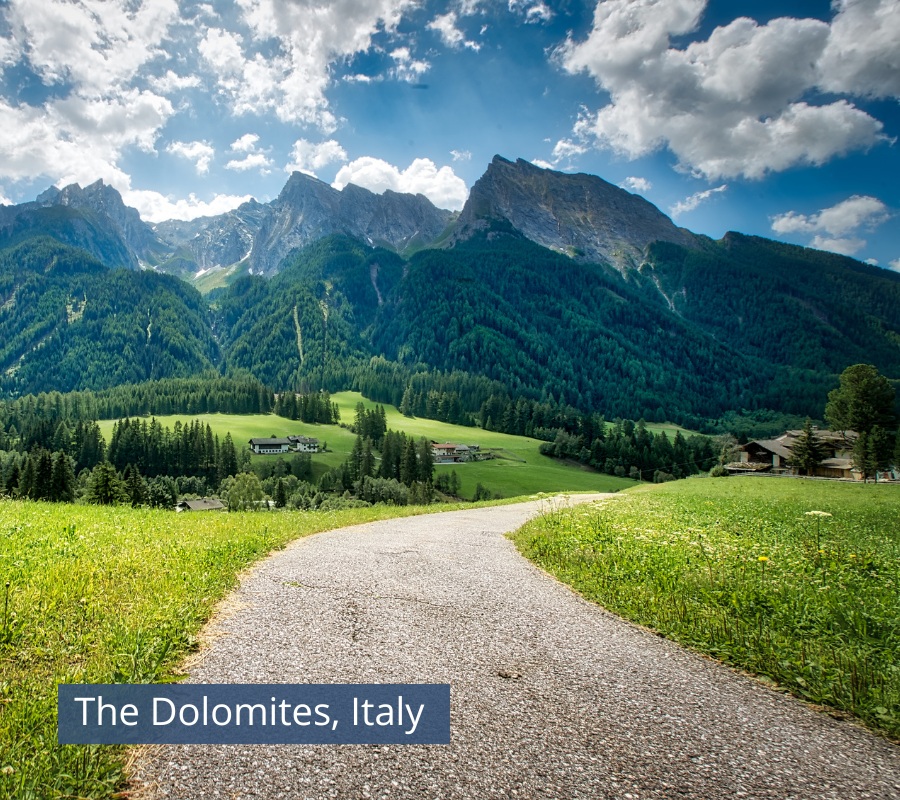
x=578, y=214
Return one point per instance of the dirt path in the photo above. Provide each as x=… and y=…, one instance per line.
x=600, y=709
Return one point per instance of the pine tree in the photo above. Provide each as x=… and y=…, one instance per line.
x=426, y=461
x=409, y=467
x=105, y=486
x=807, y=450
x=26, y=478
x=62, y=482
x=43, y=476
x=406, y=403
x=136, y=487
x=864, y=399
x=367, y=462
x=454, y=483
x=280, y=494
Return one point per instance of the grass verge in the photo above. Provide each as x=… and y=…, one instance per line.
x=115, y=595
x=740, y=569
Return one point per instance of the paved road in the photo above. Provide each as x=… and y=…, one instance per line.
x=602, y=709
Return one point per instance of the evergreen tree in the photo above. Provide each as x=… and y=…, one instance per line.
x=864, y=399
x=426, y=461
x=367, y=462
x=454, y=483
x=43, y=476
x=406, y=403
x=162, y=492
x=12, y=478
x=26, y=478
x=62, y=481
x=409, y=467
x=280, y=494
x=136, y=487
x=807, y=451
x=105, y=486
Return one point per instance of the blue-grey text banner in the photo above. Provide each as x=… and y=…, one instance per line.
x=254, y=714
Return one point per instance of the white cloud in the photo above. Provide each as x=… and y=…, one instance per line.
x=461, y=155
x=4, y=200
x=534, y=12
x=170, y=82
x=894, y=265
x=861, y=55
x=565, y=148
x=872, y=262
x=441, y=186
x=840, y=220
x=846, y=247
x=308, y=157
x=639, y=185
x=406, y=67
x=251, y=161
x=733, y=104
x=155, y=207
x=690, y=203
x=79, y=140
x=539, y=162
x=451, y=36
x=848, y=215
x=285, y=63
x=201, y=153
x=246, y=143
x=92, y=44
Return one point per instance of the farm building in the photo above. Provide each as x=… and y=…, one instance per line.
x=305, y=444
x=270, y=445
x=449, y=453
x=204, y=504
x=771, y=455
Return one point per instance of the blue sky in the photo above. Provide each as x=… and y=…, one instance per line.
x=778, y=119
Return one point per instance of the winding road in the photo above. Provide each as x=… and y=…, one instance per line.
x=552, y=696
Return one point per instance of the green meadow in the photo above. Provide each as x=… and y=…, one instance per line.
x=797, y=581
x=111, y=594
x=520, y=469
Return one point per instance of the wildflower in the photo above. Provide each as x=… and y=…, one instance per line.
x=852, y=556
x=763, y=558
x=817, y=514
x=7, y=771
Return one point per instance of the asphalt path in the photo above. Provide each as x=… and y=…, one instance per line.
x=552, y=697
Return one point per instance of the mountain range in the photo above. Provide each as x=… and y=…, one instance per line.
x=546, y=283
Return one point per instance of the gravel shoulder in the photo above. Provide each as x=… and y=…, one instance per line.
x=591, y=706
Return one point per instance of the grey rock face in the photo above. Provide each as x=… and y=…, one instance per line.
x=108, y=204
x=308, y=209
x=216, y=241
x=581, y=215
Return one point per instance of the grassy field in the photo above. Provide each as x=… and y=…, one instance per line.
x=743, y=570
x=113, y=595
x=522, y=470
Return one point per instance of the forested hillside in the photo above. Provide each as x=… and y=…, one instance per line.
x=68, y=322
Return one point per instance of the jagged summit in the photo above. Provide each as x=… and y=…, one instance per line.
x=577, y=214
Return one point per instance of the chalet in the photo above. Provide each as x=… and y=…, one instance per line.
x=449, y=453
x=205, y=504
x=304, y=444
x=771, y=455
x=270, y=445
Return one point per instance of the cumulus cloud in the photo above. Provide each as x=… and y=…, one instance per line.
x=872, y=262
x=567, y=149
x=170, y=82
x=201, y=153
x=444, y=188
x=734, y=104
x=450, y=35
x=461, y=155
x=534, y=12
x=91, y=45
x=308, y=37
x=894, y=265
x=539, y=162
x=156, y=207
x=406, y=68
x=847, y=217
x=4, y=200
x=639, y=185
x=254, y=157
x=308, y=157
x=690, y=203
x=77, y=139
